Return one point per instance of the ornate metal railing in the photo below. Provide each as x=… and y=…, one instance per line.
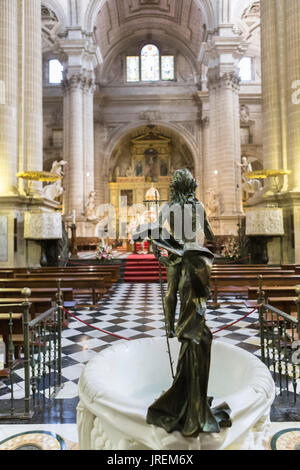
x=41, y=359
x=279, y=336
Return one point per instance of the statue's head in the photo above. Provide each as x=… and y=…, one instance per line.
x=183, y=185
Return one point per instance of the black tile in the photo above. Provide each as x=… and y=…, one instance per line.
x=72, y=348
x=79, y=338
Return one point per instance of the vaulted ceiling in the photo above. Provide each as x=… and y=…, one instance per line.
x=120, y=20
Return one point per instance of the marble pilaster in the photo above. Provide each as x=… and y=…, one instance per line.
x=33, y=88
x=8, y=95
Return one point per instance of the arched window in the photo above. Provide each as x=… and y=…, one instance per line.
x=150, y=66
x=55, y=72
x=150, y=63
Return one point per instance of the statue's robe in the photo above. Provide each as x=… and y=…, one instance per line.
x=185, y=407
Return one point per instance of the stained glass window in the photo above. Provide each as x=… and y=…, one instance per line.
x=55, y=71
x=133, y=69
x=167, y=67
x=149, y=66
x=150, y=63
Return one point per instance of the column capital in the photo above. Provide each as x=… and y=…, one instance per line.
x=79, y=81
x=230, y=80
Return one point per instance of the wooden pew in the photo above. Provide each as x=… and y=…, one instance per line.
x=7, y=273
x=40, y=293
x=240, y=283
x=272, y=291
x=113, y=270
x=285, y=304
x=296, y=267
x=38, y=305
x=93, y=285
x=108, y=280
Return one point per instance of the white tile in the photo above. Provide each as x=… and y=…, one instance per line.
x=66, y=342
x=70, y=332
x=83, y=356
x=92, y=343
x=131, y=317
x=73, y=372
x=156, y=324
x=101, y=325
x=130, y=333
x=130, y=324
x=156, y=333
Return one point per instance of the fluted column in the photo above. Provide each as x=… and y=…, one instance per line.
x=101, y=164
x=8, y=95
x=33, y=87
x=293, y=76
x=88, y=137
x=272, y=135
x=225, y=143
x=73, y=119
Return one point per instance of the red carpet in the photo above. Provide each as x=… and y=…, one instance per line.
x=143, y=268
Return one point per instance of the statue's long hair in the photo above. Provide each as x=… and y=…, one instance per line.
x=183, y=188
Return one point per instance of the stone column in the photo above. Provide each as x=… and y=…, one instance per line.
x=293, y=77
x=101, y=164
x=272, y=142
x=225, y=146
x=221, y=56
x=8, y=95
x=73, y=120
x=33, y=87
x=82, y=57
x=88, y=137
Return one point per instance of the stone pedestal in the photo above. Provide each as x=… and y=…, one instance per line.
x=16, y=251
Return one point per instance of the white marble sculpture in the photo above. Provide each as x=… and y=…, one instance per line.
x=55, y=190
x=252, y=188
x=113, y=405
x=213, y=204
x=90, y=208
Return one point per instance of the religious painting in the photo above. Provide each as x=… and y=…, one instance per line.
x=164, y=170
x=139, y=168
x=151, y=170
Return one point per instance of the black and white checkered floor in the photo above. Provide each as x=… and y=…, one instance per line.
x=135, y=311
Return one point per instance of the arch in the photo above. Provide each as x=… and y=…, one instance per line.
x=187, y=137
x=57, y=8
x=95, y=6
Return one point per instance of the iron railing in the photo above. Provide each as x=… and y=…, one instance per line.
x=279, y=335
x=41, y=361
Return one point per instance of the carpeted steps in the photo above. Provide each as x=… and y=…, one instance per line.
x=143, y=268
